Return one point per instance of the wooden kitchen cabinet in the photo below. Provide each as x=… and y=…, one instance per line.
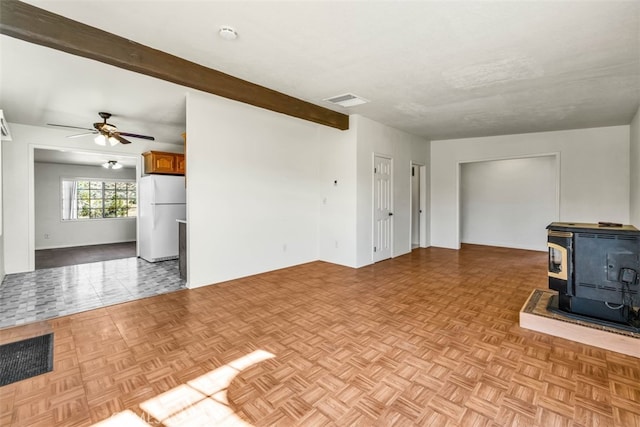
x=180, y=163
x=160, y=162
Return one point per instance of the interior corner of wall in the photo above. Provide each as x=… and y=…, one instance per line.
x=2, y=270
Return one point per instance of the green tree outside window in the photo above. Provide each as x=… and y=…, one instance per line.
x=89, y=199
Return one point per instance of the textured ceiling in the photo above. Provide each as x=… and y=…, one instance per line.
x=39, y=85
x=438, y=69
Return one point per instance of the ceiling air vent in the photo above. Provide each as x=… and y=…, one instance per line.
x=4, y=128
x=347, y=100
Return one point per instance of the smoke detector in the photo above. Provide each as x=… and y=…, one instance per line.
x=347, y=100
x=228, y=33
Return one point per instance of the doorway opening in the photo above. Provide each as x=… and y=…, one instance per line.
x=83, y=211
x=509, y=202
x=418, y=210
x=51, y=292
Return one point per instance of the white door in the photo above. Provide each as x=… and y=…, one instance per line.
x=382, y=208
x=416, y=210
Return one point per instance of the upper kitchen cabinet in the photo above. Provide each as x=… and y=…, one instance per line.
x=160, y=162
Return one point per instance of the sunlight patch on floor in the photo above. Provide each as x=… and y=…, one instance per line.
x=200, y=402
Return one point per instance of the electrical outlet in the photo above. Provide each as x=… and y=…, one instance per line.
x=336, y=244
x=284, y=248
x=46, y=236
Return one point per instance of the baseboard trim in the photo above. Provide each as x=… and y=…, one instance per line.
x=89, y=244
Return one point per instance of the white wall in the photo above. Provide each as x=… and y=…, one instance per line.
x=18, y=183
x=253, y=189
x=47, y=183
x=594, y=174
x=337, y=214
x=267, y=191
x=2, y=269
x=404, y=149
x=508, y=202
x=634, y=199
x=2, y=273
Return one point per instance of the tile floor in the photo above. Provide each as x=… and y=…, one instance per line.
x=53, y=292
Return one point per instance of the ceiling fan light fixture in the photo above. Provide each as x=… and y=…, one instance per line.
x=112, y=164
x=105, y=132
x=102, y=139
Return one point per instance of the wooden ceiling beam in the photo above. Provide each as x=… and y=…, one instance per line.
x=29, y=23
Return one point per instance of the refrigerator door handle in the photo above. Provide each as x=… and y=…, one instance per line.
x=153, y=216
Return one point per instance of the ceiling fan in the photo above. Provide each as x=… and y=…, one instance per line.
x=106, y=132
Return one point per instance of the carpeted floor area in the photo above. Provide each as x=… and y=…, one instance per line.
x=60, y=257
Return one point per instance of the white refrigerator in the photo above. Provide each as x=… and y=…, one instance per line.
x=161, y=201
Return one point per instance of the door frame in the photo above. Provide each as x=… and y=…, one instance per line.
x=422, y=196
x=554, y=154
x=373, y=205
x=31, y=238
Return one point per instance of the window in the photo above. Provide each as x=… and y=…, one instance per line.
x=96, y=199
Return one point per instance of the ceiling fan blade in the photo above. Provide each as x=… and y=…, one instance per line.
x=134, y=135
x=70, y=127
x=106, y=129
x=119, y=138
x=82, y=134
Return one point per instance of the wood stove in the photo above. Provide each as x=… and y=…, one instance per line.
x=596, y=270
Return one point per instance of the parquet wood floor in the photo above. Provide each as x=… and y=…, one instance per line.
x=430, y=338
